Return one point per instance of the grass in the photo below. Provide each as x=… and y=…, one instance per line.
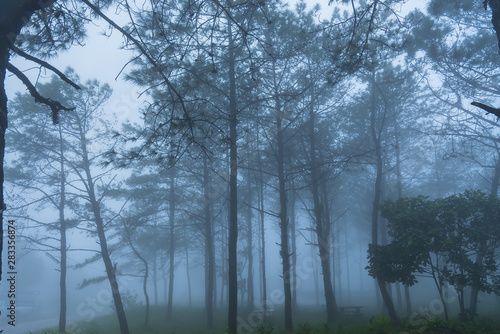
x=307, y=320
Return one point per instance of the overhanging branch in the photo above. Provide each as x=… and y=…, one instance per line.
x=54, y=106
x=44, y=64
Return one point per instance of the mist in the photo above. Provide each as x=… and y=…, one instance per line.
x=250, y=167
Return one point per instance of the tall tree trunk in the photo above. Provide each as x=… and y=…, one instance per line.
x=322, y=227
x=96, y=209
x=233, y=191
x=171, y=254
x=145, y=290
x=496, y=177
x=209, y=246
x=4, y=59
x=155, y=275
x=262, y=238
x=63, y=243
x=294, y=248
x=377, y=141
x=399, y=178
x=188, y=275
x=144, y=279
x=284, y=249
x=250, y=287
x=13, y=16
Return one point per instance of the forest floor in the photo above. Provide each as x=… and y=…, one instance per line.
x=307, y=320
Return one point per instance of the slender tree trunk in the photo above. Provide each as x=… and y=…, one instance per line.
x=144, y=279
x=171, y=244
x=63, y=245
x=262, y=238
x=209, y=246
x=408, y=300
x=233, y=191
x=155, y=276
x=376, y=136
x=285, y=249
x=188, y=275
x=476, y=279
x=496, y=177
x=439, y=286
x=145, y=291
x=399, y=176
x=249, y=217
x=294, y=249
x=322, y=227
x=110, y=268
x=315, y=270
x=164, y=276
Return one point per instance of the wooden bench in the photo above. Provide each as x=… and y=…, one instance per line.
x=350, y=310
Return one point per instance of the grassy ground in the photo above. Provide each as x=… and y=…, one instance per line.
x=308, y=320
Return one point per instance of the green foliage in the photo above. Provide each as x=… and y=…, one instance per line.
x=454, y=226
x=265, y=329
x=184, y=324
x=381, y=325
x=460, y=231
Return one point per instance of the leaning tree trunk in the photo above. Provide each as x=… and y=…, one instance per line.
x=110, y=268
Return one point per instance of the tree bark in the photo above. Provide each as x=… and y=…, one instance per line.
x=145, y=278
x=377, y=141
x=322, y=227
x=284, y=249
x=171, y=255
x=110, y=268
x=496, y=177
x=250, y=287
x=13, y=17
x=233, y=191
x=262, y=237
x=495, y=18
x=294, y=248
x=209, y=246
x=63, y=243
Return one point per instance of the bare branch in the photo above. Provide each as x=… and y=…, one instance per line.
x=46, y=65
x=54, y=106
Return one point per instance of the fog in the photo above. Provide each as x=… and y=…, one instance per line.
x=224, y=168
